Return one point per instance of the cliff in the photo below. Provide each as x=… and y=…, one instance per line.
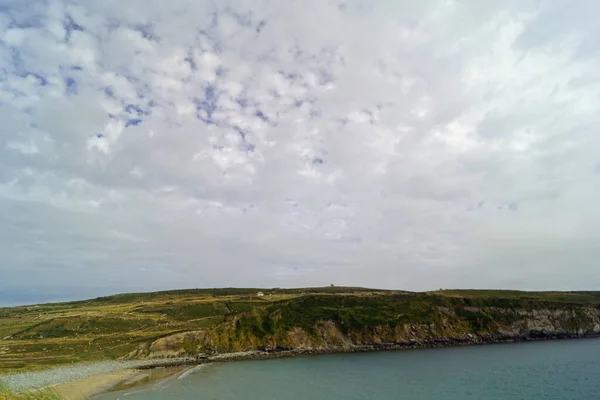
x=216, y=322
x=371, y=321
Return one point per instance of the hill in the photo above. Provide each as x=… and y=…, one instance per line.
x=208, y=321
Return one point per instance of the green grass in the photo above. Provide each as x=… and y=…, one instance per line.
x=9, y=329
x=355, y=312
x=128, y=298
x=560, y=297
x=43, y=394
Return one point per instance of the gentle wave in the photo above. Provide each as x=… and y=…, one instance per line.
x=565, y=370
x=191, y=371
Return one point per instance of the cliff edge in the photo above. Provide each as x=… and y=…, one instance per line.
x=362, y=322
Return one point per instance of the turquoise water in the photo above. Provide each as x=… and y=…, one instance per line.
x=564, y=370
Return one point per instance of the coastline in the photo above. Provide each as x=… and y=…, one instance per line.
x=263, y=354
x=256, y=355
x=58, y=375
x=141, y=372
x=86, y=388
x=89, y=387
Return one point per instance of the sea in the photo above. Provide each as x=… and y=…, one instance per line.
x=561, y=370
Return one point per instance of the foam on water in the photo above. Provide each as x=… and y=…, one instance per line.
x=191, y=371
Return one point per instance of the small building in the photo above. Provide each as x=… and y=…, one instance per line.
x=260, y=294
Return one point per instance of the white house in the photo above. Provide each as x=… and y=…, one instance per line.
x=260, y=294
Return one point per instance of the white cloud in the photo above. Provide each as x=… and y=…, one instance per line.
x=404, y=144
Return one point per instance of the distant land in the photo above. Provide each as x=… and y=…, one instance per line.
x=200, y=323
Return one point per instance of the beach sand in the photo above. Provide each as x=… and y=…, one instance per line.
x=85, y=388
x=119, y=380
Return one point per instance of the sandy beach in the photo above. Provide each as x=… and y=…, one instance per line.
x=83, y=389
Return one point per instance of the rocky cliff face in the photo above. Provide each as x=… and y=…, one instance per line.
x=443, y=323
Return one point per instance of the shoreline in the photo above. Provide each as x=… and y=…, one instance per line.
x=140, y=372
x=86, y=388
x=264, y=354
x=257, y=355
x=92, y=386
x=57, y=375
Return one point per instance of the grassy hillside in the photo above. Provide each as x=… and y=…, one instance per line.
x=34, y=337
x=564, y=297
x=37, y=336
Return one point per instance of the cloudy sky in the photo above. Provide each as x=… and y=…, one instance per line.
x=148, y=145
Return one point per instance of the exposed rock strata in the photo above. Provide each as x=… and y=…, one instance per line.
x=452, y=328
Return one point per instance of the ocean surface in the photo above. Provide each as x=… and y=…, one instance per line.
x=561, y=370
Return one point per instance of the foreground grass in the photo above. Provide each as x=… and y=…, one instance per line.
x=43, y=394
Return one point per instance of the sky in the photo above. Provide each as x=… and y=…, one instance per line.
x=416, y=145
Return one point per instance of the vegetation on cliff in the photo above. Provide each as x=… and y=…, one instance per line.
x=205, y=321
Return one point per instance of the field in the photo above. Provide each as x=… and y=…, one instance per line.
x=39, y=336
x=562, y=297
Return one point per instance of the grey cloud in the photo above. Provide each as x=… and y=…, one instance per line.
x=151, y=145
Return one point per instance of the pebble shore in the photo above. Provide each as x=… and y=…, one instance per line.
x=57, y=375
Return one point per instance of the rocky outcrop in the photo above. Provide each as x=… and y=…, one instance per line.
x=453, y=325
